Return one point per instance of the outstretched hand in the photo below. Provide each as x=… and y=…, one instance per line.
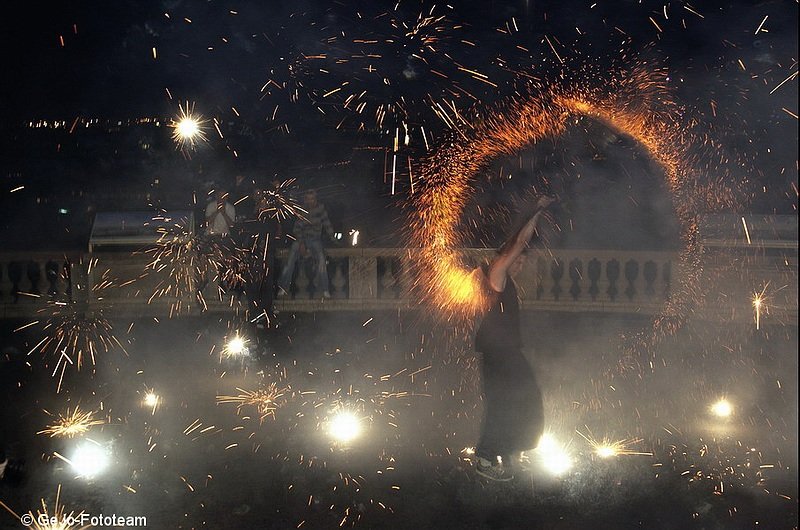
x=543, y=202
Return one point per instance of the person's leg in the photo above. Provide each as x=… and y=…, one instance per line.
x=288, y=269
x=492, y=442
x=321, y=281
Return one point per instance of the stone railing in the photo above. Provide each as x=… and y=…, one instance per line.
x=29, y=279
x=632, y=282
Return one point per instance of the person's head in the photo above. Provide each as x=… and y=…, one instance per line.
x=310, y=199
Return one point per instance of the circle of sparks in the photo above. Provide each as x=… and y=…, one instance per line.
x=636, y=105
x=188, y=128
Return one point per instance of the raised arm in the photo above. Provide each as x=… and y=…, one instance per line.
x=513, y=248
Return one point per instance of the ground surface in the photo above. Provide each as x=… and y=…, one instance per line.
x=199, y=462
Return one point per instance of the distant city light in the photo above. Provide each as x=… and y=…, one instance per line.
x=344, y=427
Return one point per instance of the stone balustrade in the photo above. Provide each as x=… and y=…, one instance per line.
x=29, y=279
x=618, y=281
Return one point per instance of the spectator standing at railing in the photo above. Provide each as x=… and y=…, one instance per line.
x=307, y=234
x=513, y=417
x=220, y=216
x=267, y=233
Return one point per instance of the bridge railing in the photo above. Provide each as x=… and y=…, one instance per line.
x=574, y=280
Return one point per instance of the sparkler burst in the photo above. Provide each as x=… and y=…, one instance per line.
x=72, y=423
x=73, y=332
x=280, y=203
x=265, y=400
x=44, y=519
x=758, y=305
x=235, y=346
x=188, y=127
x=607, y=448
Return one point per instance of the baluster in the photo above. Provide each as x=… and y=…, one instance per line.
x=388, y=279
x=302, y=282
x=15, y=276
x=594, y=276
x=3, y=285
x=556, y=272
x=51, y=273
x=363, y=278
x=612, y=273
x=66, y=276
x=575, y=275
x=650, y=275
x=406, y=264
x=338, y=280
x=540, y=277
x=34, y=274
x=631, y=274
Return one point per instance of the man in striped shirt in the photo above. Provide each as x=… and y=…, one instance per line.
x=307, y=232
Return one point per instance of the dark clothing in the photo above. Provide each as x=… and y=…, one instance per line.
x=261, y=284
x=313, y=223
x=513, y=417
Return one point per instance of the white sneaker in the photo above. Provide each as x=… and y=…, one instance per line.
x=497, y=473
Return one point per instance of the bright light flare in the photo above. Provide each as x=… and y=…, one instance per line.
x=188, y=127
x=151, y=400
x=344, y=427
x=758, y=305
x=722, y=408
x=235, y=346
x=553, y=455
x=89, y=459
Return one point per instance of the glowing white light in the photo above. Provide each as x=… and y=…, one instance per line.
x=151, y=399
x=722, y=408
x=553, y=456
x=354, y=233
x=605, y=451
x=89, y=459
x=235, y=346
x=344, y=427
x=187, y=128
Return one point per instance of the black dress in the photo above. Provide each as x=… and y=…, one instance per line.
x=513, y=417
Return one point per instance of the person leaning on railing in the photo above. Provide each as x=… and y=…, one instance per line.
x=307, y=233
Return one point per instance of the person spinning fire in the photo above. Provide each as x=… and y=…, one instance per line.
x=513, y=418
